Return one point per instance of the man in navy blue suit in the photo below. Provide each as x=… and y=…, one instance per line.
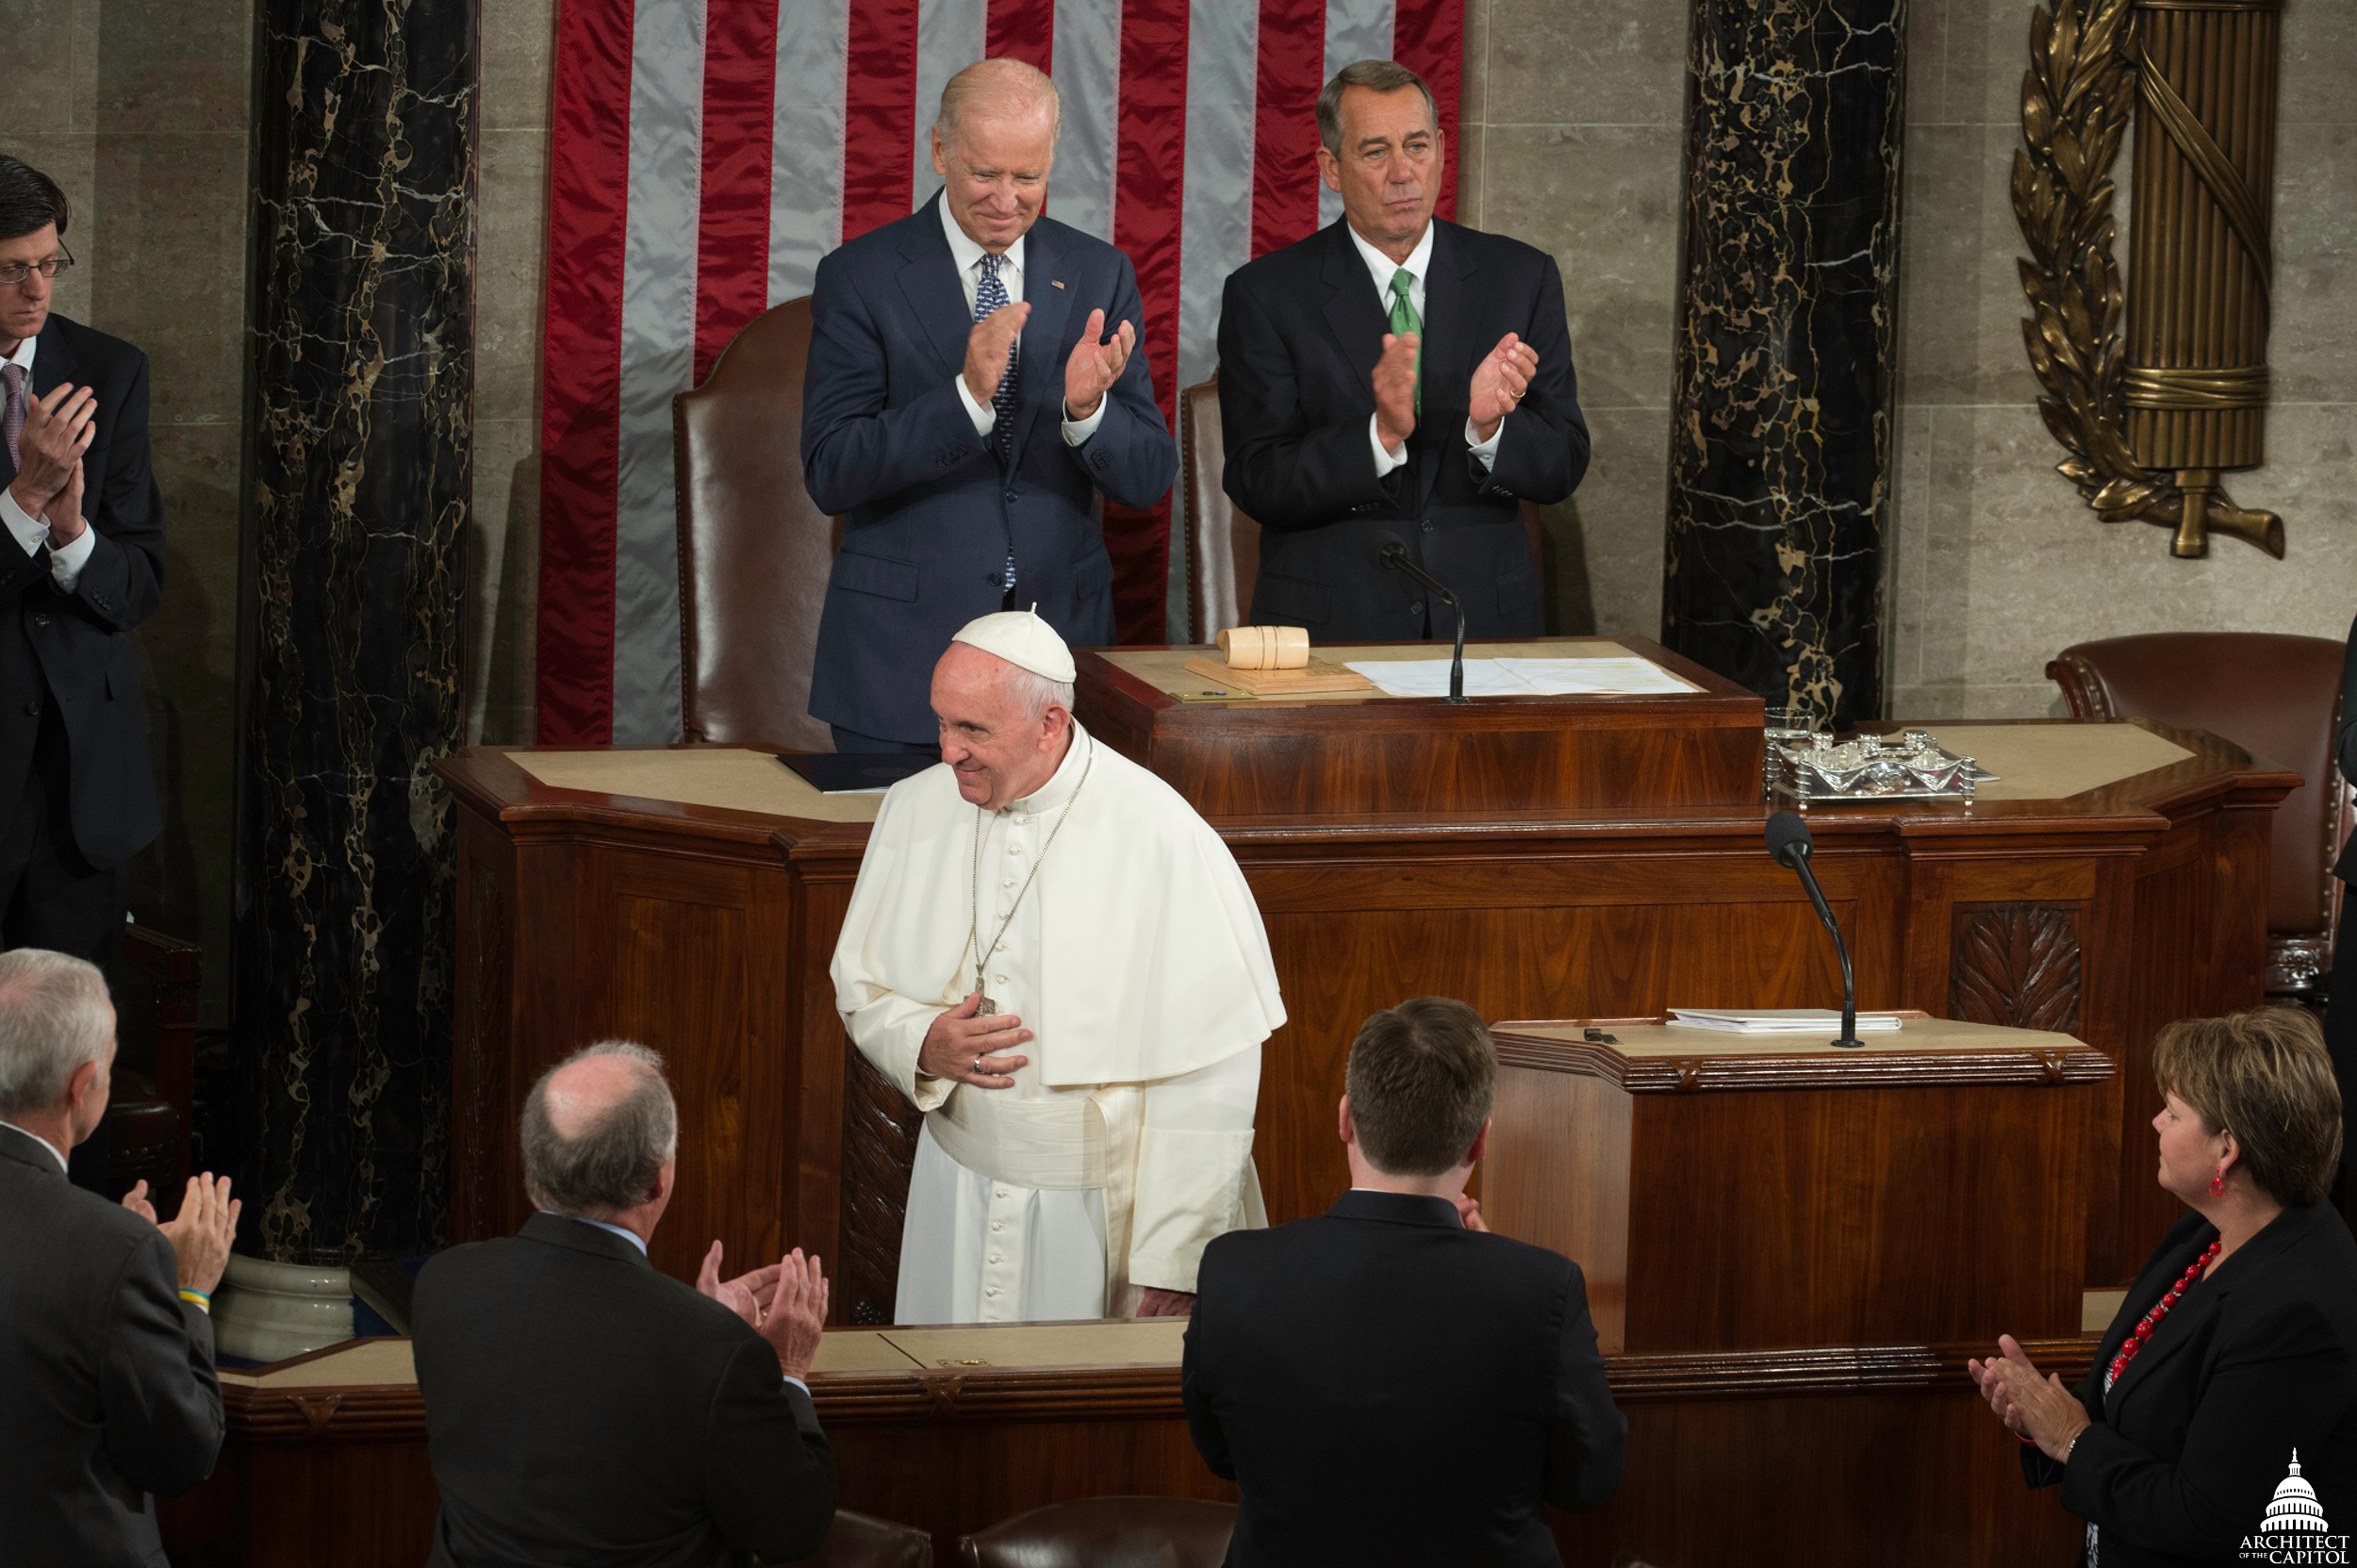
x=973, y=383
x=81, y=565
x=1394, y=374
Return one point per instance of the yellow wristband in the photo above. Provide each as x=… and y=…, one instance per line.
x=204, y=1302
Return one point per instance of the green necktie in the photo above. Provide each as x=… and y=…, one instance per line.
x=1405, y=320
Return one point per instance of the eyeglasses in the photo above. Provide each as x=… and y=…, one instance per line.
x=17, y=272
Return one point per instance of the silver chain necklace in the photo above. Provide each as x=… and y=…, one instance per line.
x=974, y=932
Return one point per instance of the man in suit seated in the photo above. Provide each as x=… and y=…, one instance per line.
x=106, y=1385
x=1389, y=1383
x=582, y=1407
x=973, y=384
x=1394, y=374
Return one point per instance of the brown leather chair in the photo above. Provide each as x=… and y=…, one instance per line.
x=754, y=552
x=1107, y=1532
x=2276, y=697
x=860, y=1540
x=1223, y=545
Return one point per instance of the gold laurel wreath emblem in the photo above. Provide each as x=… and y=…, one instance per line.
x=2075, y=101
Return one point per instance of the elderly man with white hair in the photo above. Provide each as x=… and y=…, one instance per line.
x=106, y=1385
x=1059, y=962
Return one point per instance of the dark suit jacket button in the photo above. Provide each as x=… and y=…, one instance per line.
x=32, y=710
x=1417, y=608
x=102, y=604
x=1010, y=495
x=1427, y=525
x=40, y=620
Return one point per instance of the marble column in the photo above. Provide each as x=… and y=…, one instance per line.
x=359, y=481
x=1781, y=402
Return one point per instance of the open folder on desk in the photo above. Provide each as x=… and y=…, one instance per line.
x=1780, y=1020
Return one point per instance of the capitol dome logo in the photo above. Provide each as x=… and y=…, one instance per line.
x=2293, y=1530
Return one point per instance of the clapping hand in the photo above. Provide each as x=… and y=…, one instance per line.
x=961, y=1040
x=749, y=1296
x=58, y=428
x=200, y=1233
x=987, y=347
x=2039, y=1409
x=65, y=511
x=1499, y=382
x=1094, y=366
x=797, y=1314
x=1394, y=381
x=1469, y=1213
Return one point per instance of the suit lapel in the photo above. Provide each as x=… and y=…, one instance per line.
x=1353, y=313
x=928, y=281
x=53, y=363
x=1450, y=354
x=2197, y=1306
x=1039, y=383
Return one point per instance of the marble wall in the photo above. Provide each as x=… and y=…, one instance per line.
x=1570, y=138
x=140, y=109
x=1995, y=565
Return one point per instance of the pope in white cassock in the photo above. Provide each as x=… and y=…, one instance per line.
x=1060, y=963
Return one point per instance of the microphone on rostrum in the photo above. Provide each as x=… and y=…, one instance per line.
x=1391, y=555
x=1788, y=844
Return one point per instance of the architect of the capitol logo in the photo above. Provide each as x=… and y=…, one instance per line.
x=2294, y=1529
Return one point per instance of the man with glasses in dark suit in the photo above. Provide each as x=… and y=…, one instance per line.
x=79, y=502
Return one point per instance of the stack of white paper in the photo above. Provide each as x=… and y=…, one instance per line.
x=1780, y=1020
x=1624, y=677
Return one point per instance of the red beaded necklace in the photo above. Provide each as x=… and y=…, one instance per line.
x=2133, y=1342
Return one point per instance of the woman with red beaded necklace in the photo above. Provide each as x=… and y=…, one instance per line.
x=2239, y=1341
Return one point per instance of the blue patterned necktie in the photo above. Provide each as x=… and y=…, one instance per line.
x=989, y=295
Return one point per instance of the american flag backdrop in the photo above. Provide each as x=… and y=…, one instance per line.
x=705, y=154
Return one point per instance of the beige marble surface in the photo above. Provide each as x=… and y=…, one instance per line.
x=1913, y=1037
x=1996, y=565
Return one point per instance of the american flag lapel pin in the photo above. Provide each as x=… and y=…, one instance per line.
x=1055, y=283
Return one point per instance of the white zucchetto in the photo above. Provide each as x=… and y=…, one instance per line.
x=1021, y=639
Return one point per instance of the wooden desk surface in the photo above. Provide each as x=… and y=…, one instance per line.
x=1645, y=1057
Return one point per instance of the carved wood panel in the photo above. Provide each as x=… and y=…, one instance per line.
x=880, y=1127
x=2015, y=965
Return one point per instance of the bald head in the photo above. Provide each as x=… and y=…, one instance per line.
x=598, y=1130
x=998, y=90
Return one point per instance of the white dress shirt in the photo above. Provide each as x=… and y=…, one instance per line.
x=65, y=565
x=1419, y=263
x=969, y=259
x=46, y=1144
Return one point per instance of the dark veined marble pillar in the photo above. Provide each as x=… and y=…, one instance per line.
x=358, y=477
x=1780, y=435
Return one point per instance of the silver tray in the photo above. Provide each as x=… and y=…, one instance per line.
x=1911, y=766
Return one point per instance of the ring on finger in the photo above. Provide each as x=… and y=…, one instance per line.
x=978, y=1066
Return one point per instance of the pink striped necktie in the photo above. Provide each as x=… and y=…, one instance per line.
x=12, y=412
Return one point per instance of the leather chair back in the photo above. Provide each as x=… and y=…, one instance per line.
x=1107, y=1532
x=754, y=552
x=1223, y=544
x=2276, y=697
x=860, y=1540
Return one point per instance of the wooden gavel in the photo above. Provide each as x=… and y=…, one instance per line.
x=1266, y=648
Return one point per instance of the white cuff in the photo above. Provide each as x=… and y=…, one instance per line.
x=982, y=414
x=65, y=565
x=798, y=1382
x=1487, y=451
x=1384, y=461
x=1076, y=432
x=28, y=531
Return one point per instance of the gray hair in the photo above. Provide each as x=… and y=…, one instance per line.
x=1035, y=692
x=613, y=1164
x=992, y=81
x=54, y=1015
x=1383, y=76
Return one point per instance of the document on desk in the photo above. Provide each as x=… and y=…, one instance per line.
x=1430, y=678
x=1778, y=1020
x=1630, y=677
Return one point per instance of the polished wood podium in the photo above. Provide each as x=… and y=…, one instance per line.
x=2112, y=879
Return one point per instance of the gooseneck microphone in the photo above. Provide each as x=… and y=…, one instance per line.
x=1391, y=555
x=1790, y=844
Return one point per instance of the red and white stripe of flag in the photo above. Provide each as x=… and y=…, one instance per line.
x=705, y=154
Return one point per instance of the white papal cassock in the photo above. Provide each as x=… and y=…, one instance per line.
x=1139, y=963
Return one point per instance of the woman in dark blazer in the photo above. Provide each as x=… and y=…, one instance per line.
x=2234, y=1347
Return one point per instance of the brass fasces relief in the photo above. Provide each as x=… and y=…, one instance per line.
x=2157, y=389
